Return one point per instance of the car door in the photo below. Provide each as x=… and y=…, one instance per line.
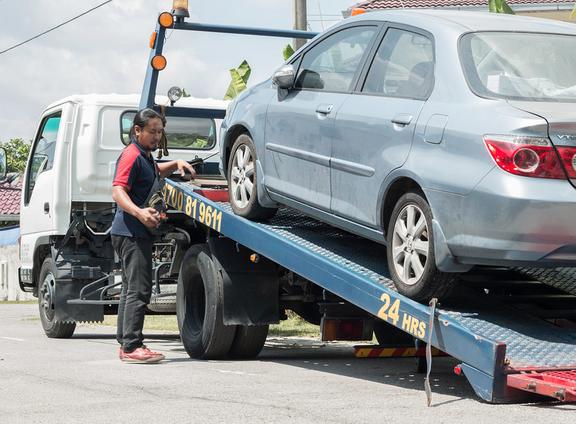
x=375, y=125
x=300, y=124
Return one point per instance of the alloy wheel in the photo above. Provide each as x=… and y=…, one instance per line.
x=410, y=244
x=242, y=176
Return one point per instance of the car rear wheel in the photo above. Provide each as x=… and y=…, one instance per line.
x=410, y=252
x=242, y=181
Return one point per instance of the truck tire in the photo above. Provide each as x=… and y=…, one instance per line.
x=242, y=181
x=410, y=251
x=53, y=328
x=248, y=342
x=388, y=335
x=199, y=303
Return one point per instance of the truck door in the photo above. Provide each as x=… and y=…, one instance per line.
x=45, y=185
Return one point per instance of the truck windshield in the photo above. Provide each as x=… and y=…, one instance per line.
x=520, y=66
x=182, y=133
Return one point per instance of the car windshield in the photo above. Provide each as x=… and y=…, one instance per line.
x=520, y=66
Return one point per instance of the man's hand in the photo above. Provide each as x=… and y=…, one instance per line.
x=184, y=166
x=150, y=217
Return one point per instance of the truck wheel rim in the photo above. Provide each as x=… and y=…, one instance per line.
x=410, y=244
x=242, y=181
x=46, y=297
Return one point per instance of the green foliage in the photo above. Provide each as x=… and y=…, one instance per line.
x=499, y=6
x=288, y=52
x=239, y=81
x=16, y=153
x=184, y=94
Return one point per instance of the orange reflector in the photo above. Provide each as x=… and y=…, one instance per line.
x=357, y=11
x=158, y=62
x=166, y=20
x=254, y=257
x=153, y=39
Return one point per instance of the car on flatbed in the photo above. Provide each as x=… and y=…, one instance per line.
x=449, y=136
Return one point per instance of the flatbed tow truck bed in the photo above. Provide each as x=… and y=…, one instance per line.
x=507, y=353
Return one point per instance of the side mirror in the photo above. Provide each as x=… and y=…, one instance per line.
x=3, y=165
x=284, y=77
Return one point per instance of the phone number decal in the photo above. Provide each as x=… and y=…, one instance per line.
x=194, y=208
x=390, y=312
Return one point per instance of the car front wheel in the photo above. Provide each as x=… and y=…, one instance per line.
x=410, y=252
x=242, y=181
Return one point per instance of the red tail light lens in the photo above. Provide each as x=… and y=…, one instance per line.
x=526, y=156
x=568, y=156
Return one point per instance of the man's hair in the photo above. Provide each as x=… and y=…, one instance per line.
x=142, y=118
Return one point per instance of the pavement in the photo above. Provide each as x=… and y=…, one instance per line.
x=81, y=380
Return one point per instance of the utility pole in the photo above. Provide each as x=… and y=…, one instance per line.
x=300, y=21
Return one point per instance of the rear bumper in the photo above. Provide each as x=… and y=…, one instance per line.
x=510, y=220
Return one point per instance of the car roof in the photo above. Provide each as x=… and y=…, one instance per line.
x=466, y=21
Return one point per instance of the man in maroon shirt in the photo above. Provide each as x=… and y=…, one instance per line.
x=135, y=177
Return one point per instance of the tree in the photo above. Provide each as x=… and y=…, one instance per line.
x=239, y=81
x=17, y=154
x=499, y=6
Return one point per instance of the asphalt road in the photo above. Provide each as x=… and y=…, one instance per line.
x=81, y=380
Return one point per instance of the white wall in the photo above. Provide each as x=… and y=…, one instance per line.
x=9, y=263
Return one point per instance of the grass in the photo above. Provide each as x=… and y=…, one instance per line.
x=294, y=326
x=18, y=302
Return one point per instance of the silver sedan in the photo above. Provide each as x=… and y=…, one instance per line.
x=448, y=136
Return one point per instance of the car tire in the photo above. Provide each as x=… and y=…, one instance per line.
x=242, y=181
x=410, y=252
x=53, y=328
x=199, y=303
x=248, y=342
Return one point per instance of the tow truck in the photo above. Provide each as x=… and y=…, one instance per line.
x=514, y=337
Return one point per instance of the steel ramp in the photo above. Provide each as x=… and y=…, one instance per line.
x=491, y=338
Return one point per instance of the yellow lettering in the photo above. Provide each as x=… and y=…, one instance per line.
x=188, y=210
x=394, y=310
x=406, y=320
x=208, y=215
x=422, y=330
x=201, y=212
x=382, y=312
x=414, y=326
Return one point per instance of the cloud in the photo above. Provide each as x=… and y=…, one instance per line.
x=107, y=51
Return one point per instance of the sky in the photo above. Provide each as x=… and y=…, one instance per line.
x=107, y=50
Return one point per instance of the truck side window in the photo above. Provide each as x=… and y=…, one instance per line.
x=182, y=133
x=42, y=158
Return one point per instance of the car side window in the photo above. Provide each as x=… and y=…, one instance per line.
x=42, y=158
x=403, y=66
x=332, y=64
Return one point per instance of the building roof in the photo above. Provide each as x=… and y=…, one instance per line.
x=408, y=4
x=10, y=198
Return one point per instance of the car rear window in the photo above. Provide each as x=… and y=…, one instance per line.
x=182, y=133
x=520, y=65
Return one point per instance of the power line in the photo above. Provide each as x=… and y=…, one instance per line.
x=56, y=27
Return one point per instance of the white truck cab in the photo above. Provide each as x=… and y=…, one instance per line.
x=71, y=167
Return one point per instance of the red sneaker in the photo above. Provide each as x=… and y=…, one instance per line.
x=141, y=355
x=120, y=353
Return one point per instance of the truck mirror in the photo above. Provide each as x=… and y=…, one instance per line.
x=3, y=164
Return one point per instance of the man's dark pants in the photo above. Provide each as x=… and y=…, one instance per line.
x=136, y=257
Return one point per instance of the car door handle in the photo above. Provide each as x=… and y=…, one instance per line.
x=324, y=109
x=46, y=207
x=402, y=119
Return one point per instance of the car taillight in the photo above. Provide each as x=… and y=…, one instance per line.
x=568, y=156
x=526, y=156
